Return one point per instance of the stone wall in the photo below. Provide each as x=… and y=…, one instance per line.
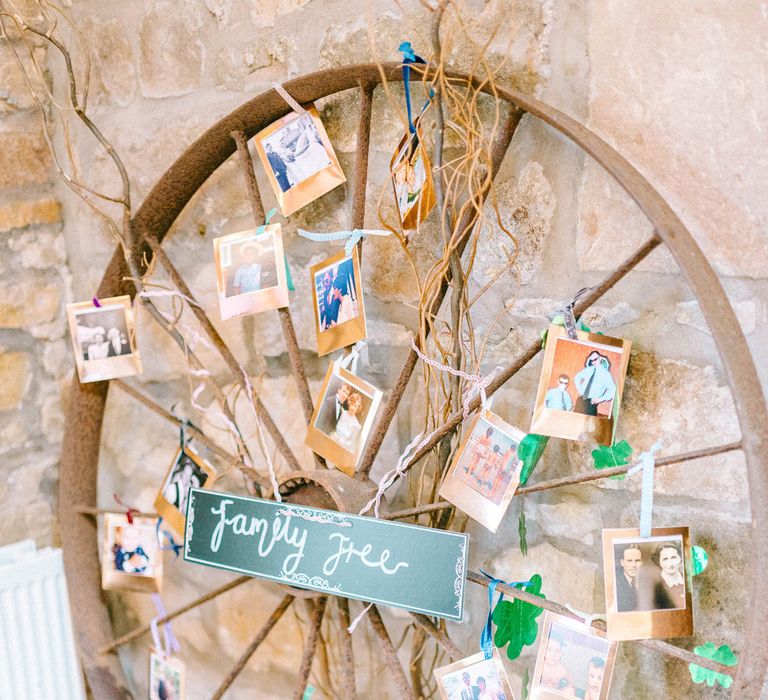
x=678, y=88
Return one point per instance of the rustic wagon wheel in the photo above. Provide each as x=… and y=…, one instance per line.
x=160, y=209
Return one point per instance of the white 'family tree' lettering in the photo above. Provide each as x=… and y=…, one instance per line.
x=347, y=551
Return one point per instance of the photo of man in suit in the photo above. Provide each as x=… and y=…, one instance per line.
x=334, y=404
x=279, y=167
x=626, y=577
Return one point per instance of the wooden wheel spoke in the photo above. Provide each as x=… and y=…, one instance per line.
x=250, y=650
x=347, y=659
x=130, y=636
x=466, y=224
x=310, y=647
x=656, y=644
x=361, y=156
x=390, y=654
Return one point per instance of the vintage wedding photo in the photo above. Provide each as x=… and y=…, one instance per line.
x=187, y=470
x=646, y=578
x=166, y=677
x=102, y=339
x=338, y=302
x=486, y=470
x=343, y=418
x=580, y=386
x=250, y=272
x=412, y=181
x=299, y=159
x=131, y=559
x=474, y=678
x=572, y=662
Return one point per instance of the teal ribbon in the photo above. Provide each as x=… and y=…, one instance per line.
x=288, y=278
x=486, y=636
x=267, y=219
x=351, y=237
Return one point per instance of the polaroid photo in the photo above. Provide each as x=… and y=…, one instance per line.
x=411, y=174
x=485, y=472
x=573, y=661
x=648, y=583
x=250, y=272
x=343, y=418
x=131, y=559
x=337, y=298
x=166, y=676
x=580, y=388
x=188, y=469
x=474, y=678
x=103, y=339
x=299, y=159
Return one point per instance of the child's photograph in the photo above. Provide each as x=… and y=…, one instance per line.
x=647, y=583
x=573, y=661
x=338, y=302
x=250, y=272
x=474, y=678
x=580, y=387
x=485, y=472
x=187, y=470
x=343, y=418
x=410, y=171
x=166, y=677
x=132, y=558
x=299, y=159
x=102, y=339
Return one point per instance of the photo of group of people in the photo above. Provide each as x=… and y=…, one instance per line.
x=412, y=181
x=647, y=590
x=166, y=677
x=474, y=678
x=299, y=159
x=102, y=339
x=187, y=470
x=572, y=662
x=580, y=388
x=485, y=471
x=132, y=559
x=343, y=417
x=338, y=302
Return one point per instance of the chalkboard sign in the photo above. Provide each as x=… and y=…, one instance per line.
x=405, y=566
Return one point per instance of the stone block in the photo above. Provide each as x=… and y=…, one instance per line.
x=569, y=519
x=40, y=250
x=29, y=213
x=27, y=302
x=688, y=313
x=24, y=158
x=14, y=379
x=14, y=93
x=114, y=70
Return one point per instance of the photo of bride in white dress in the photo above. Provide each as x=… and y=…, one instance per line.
x=343, y=414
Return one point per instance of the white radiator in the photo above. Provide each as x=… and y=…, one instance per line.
x=38, y=660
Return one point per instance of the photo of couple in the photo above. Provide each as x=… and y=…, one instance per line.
x=584, y=378
x=343, y=413
x=295, y=152
x=102, y=332
x=132, y=558
x=336, y=294
x=474, y=678
x=650, y=574
x=412, y=181
x=571, y=662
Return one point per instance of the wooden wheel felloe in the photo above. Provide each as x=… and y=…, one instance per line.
x=153, y=220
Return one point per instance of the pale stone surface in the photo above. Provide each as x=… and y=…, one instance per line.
x=570, y=520
x=28, y=213
x=14, y=379
x=688, y=313
x=114, y=71
x=14, y=94
x=40, y=250
x=27, y=303
x=24, y=158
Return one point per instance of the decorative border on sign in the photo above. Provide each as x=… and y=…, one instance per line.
x=458, y=583
x=313, y=516
x=304, y=580
x=190, y=521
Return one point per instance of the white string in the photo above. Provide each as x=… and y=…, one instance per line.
x=585, y=618
x=293, y=104
x=168, y=293
x=357, y=620
x=352, y=357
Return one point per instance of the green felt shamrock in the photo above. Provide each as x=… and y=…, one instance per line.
x=723, y=655
x=529, y=452
x=560, y=321
x=522, y=532
x=699, y=558
x=614, y=456
x=515, y=620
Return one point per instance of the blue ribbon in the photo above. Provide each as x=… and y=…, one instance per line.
x=410, y=57
x=486, y=636
x=647, y=463
x=173, y=546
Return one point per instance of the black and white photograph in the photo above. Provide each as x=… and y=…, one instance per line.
x=343, y=417
x=338, y=302
x=474, y=678
x=299, y=159
x=102, y=339
x=132, y=558
x=187, y=470
x=647, y=583
x=573, y=661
